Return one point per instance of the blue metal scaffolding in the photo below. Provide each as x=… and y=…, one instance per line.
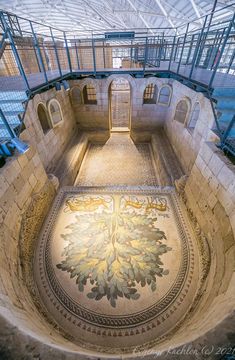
x=32, y=60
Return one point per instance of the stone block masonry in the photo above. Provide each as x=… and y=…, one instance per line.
x=49, y=146
x=209, y=194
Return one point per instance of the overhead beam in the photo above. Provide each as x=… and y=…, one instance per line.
x=117, y=16
x=140, y=16
x=157, y=14
x=196, y=11
x=51, y=4
x=74, y=19
x=88, y=3
x=222, y=4
x=163, y=10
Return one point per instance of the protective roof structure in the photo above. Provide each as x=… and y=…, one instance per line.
x=78, y=16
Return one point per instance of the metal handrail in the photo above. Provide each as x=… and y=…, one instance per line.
x=146, y=49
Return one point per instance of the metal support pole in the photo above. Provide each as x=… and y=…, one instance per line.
x=56, y=52
x=197, y=47
x=131, y=50
x=215, y=115
x=5, y=122
x=162, y=47
x=212, y=47
x=181, y=55
x=190, y=49
x=172, y=52
x=154, y=52
x=222, y=50
x=104, y=56
x=231, y=61
x=160, y=52
x=18, y=60
x=35, y=54
x=218, y=45
x=232, y=122
x=205, y=34
x=76, y=49
x=176, y=50
x=15, y=52
x=93, y=52
x=145, y=55
x=137, y=53
x=46, y=56
x=67, y=51
x=20, y=31
x=212, y=13
x=38, y=52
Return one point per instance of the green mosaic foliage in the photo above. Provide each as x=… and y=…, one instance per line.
x=112, y=255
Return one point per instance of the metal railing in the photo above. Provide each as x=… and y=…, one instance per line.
x=33, y=56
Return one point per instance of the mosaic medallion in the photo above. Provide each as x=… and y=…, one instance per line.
x=118, y=264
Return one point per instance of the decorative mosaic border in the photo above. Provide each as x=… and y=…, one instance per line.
x=116, y=322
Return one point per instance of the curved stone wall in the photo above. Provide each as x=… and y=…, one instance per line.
x=28, y=332
x=210, y=193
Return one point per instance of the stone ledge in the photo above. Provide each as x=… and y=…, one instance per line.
x=70, y=163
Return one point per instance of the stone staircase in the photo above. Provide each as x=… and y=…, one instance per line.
x=225, y=107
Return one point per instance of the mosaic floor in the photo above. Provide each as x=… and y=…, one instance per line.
x=129, y=164
x=117, y=268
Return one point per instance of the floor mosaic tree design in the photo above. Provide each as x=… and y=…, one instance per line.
x=114, y=252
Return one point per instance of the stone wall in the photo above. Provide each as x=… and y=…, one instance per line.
x=147, y=118
x=25, y=196
x=185, y=142
x=168, y=167
x=209, y=195
x=210, y=198
x=26, y=193
x=21, y=178
x=91, y=117
x=50, y=146
x=144, y=117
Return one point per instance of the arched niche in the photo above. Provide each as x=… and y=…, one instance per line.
x=43, y=118
x=89, y=95
x=182, y=111
x=76, y=96
x=194, y=116
x=55, y=112
x=164, y=97
x=150, y=94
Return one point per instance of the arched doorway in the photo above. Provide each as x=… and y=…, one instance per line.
x=119, y=100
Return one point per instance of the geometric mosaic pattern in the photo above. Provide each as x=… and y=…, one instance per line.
x=118, y=267
x=117, y=162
